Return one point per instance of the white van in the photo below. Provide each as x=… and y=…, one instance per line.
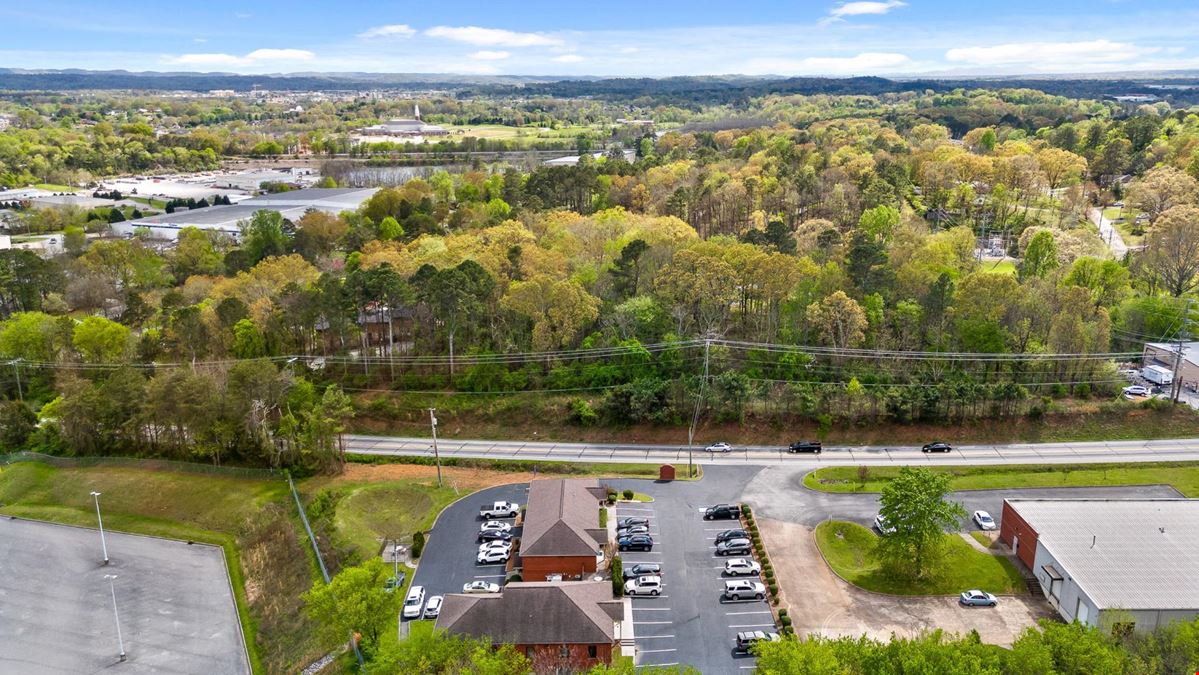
x=414, y=603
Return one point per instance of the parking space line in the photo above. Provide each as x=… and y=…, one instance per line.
x=655, y=609
x=653, y=637
x=648, y=597
x=489, y=576
x=647, y=623
x=657, y=651
x=764, y=611
x=658, y=665
x=750, y=625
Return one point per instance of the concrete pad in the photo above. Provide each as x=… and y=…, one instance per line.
x=821, y=603
x=176, y=606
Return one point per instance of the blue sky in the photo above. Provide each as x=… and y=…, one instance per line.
x=616, y=37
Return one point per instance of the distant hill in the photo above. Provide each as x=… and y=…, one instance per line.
x=1182, y=88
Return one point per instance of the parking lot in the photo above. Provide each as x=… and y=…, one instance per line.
x=689, y=624
x=177, y=613
x=448, y=560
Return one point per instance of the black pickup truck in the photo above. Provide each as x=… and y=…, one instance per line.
x=805, y=446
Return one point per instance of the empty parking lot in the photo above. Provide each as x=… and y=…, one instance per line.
x=56, y=612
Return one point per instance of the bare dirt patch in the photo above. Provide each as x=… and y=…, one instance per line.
x=463, y=478
x=819, y=602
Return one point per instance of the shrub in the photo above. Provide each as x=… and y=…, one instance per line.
x=611, y=495
x=769, y=575
x=418, y=544
x=782, y=613
x=746, y=510
x=617, y=569
x=603, y=517
x=582, y=414
x=628, y=494
x=774, y=588
x=784, y=620
x=517, y=577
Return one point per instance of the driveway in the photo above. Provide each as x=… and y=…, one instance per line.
x=821, y=603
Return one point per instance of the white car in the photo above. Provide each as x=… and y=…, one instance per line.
x=880, y=524
x=480, y=587
x=984, y=520
x=1135, y=391
x=719, y=447
x=414, y=602
x=433, y=608
x=493, y=555
x=504, y=545
x=741, y=589
x=739, y=566
x=643, y=586
x=495, y=526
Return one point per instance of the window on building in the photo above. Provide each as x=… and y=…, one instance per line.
x=564, y=652
x=592, y=651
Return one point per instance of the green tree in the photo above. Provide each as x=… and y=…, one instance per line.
x=1041, y=256
x=433, y=652
x=879, y=221
x=248, y=342
x=17, y=424
x=196, y=253
x=100, y=340
x=1107, y=280
x=354, y=600
x=839, y=320
x=559, y=309
x=1171, y=255
x=262, y=235
x=390, y=229
x=915, y=505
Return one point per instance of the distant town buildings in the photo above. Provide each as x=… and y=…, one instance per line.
x=405, y=128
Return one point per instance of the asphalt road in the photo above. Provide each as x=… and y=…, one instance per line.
x=448, y=560
x=56, y=614
x=1019, y=453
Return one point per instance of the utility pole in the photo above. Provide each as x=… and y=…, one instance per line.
x=695, y=417
x=16, y=367
x=1176, y=382
x=436, y=455
x=116, y=617
x=103, y=544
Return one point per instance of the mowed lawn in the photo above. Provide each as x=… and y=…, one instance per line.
x=1184, y=476
x=370, y=513
x=847, y=548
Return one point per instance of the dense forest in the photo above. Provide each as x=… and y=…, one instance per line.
x=826, y=263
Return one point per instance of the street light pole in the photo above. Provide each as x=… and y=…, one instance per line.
x=103, y=544
x=436, y=455
x=116, y=617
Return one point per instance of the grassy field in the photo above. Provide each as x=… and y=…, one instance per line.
x=1124, y=227
x=54, y=187
x=1000, y=267
x=251, y=519
x=1184, y=476
x=847, y=548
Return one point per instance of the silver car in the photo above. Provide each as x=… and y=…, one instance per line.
x=977, y=598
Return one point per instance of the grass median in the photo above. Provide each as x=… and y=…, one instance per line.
x=1184, y=476
x=848, y=548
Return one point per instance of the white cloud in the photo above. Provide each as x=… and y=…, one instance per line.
x=255, y=57
x=493, y=37
x=1049, y=54
x=845, y=9
x=488, y=55
x=866, y=62
x=567, y=58
x=629, y=50
x=393, y=30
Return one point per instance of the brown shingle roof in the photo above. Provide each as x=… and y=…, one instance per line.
x=562, y=519
x=564, y=612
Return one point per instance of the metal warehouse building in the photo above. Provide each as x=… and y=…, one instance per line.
x=291, y=205
x=1109, y=563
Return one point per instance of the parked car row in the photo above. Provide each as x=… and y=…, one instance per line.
x=632, y=534
x=415, y=606
x=495, y=536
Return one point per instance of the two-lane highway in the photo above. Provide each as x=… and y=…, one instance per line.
x=1019, y=453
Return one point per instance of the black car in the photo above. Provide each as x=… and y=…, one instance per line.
x=643, y=570
x=731, y=534
x=494, y=535
x=625, y=523
x=722, y=512
x=938, y=446
x=805, y=446
x=639, y=542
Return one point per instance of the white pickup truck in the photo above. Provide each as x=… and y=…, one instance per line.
x=499, y=510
